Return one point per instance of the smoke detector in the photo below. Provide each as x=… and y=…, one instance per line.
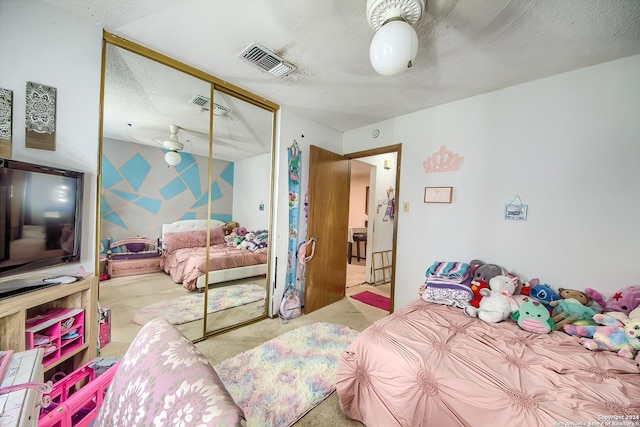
x=266, y=60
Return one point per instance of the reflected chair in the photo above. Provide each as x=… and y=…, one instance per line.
x=357, y=238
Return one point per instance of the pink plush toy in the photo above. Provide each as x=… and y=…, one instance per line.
x=240, y=231
x=624, y=300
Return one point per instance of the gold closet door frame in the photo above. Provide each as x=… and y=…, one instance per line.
x=216, y=84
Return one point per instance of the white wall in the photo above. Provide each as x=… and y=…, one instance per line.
x=292, y=127
x=251, y=189
x=44, y=45
x=382, y=236
x=567, y=145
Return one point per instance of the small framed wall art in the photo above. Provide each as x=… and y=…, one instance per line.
x=40, y=117
x=515, y=210
x=438, y=194
x=6, y=113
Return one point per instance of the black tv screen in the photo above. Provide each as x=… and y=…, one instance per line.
x=40, y=216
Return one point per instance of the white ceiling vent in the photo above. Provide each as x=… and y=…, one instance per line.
x=204, y=102
x=266, y=60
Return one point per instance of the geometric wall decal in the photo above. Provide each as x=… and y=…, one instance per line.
x=202, y=201
x=442, y=160
x=104, y=205
x=186, y=160
x=135, y=170
x=215, y=191
x=114, y=218
x=191, y=177
x=227, y=174
x=215, y=195
x=126, y=195
x=221, y=217
x=188, y=215
x=152, y=205
x=110, y=175
x=172, y=189
x=153, y=193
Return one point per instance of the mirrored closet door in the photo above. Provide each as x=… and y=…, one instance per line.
x=242, y=136
x=177, y=150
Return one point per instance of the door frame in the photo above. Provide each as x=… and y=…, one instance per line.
x=395, y=148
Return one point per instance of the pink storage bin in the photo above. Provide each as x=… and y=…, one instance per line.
x=73, y=406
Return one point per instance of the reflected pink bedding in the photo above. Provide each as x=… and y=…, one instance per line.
x=430, y=365
x=187, y=264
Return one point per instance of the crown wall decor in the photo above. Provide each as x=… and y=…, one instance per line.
x=442, y=160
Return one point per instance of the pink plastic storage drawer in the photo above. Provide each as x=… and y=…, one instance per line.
x=58, y=331
x=73, y=406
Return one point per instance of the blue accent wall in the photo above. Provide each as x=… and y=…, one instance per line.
x=140, y=192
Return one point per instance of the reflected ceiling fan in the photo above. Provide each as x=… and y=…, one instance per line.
x=172, y=157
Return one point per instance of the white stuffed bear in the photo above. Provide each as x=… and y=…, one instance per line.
x=496, y=304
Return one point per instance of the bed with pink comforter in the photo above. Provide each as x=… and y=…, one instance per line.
x=429, y=364
x=185, y=265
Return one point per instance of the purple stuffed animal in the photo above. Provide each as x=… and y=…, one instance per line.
x=624, y=301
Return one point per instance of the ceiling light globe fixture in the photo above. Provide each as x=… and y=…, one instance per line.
x=395, y=44
x=172, y=158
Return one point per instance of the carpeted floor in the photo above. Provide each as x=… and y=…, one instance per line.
x=127, y=294
x=279, y=381
x=188, y=308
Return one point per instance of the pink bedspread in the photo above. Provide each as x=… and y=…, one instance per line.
x=430, y=365
x=187, y=264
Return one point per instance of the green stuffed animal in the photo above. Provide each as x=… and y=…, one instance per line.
x=534, y=317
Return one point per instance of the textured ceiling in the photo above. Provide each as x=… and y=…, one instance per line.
x=467, y=47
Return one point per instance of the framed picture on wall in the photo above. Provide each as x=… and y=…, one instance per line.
x=438, y=194
x=6, y=112
x=40, y=117
x=515, y=212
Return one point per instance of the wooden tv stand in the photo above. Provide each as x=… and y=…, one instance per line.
x=15, y=310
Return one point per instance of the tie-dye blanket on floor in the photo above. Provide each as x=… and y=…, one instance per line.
x=188, y=308
x=281, y=380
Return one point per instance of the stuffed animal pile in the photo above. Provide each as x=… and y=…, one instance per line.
x=241, y=238
x=494, y=295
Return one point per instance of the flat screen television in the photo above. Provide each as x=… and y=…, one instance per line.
x=40, y=216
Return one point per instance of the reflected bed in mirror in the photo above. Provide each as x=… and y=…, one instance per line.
x=234, y=255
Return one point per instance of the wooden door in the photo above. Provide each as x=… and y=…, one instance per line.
x=326, y=273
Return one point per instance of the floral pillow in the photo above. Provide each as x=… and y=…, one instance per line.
x=192, y=239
